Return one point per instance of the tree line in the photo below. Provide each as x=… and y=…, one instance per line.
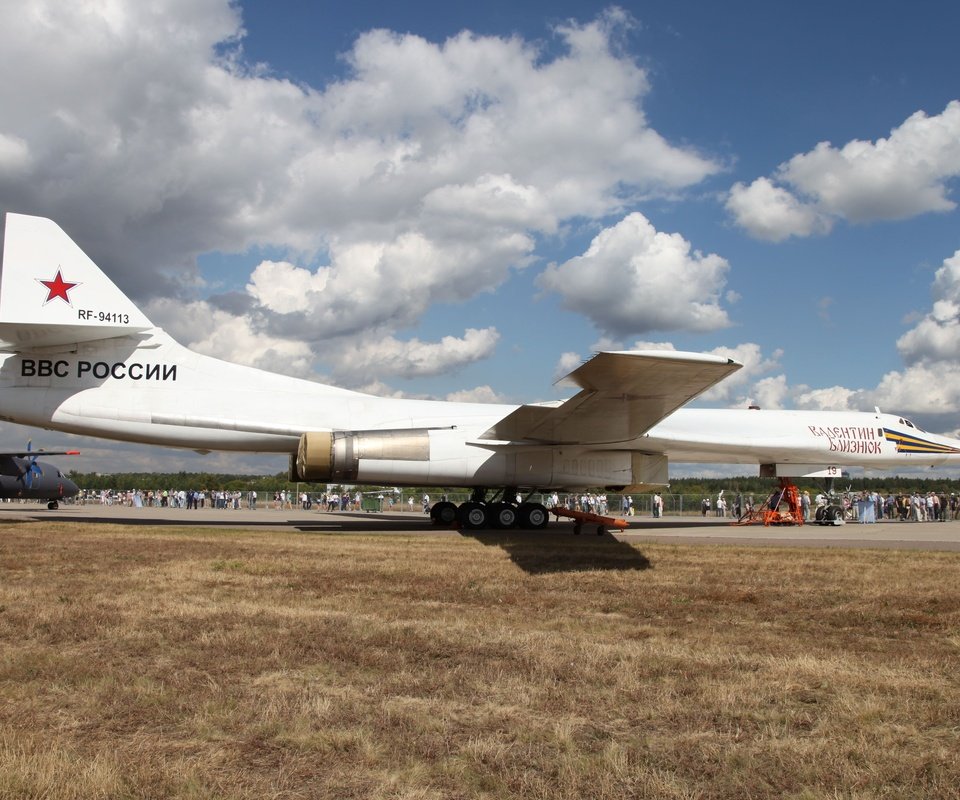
x=707, y=487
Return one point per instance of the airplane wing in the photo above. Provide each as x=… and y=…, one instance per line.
x=623, y=395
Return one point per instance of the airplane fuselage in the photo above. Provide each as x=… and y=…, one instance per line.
x=769, y=436
x=46, y=483
x=150, y=389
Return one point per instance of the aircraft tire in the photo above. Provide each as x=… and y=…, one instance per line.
x=443, y=513
x=533, y=516
x=53, y=505
x=472, y=516
x=502, y=515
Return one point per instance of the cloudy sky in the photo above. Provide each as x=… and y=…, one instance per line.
x=464, y=200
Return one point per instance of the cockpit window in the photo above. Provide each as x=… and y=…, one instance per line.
x=909, y=424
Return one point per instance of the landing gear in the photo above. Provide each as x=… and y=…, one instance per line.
x=533, y=516
x=472, y=516
x=829, y=515
x=53, y=505
x=444, y=513
x=832, y=513
x=500, y=513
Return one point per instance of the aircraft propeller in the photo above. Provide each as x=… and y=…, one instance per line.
x=33, y=468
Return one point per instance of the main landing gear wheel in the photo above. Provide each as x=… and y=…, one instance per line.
x=833, y=514
x=472, y=516
x=533, y=516
x=828, y=515
x=53, y=505
x=502, y=515
x=444, y=513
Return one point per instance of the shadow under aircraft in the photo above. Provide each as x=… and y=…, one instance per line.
x=547, y=553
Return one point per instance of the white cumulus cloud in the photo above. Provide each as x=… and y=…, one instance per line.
x=830, y=398
x=901, y=176
x=772, y=213
x=936, y=337
x=218, y=333
x=426, y=172
x=479, y=394
x=930, y=381
x=365, y=358
x=744, y=387
x=634, y=279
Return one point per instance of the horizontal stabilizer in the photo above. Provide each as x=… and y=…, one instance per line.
x=37, y=453
x=623, y=395
x=52, y=294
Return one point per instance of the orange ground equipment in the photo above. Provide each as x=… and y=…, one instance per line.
x=782, y=508
x=579, y=517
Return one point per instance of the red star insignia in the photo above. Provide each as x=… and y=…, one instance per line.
x=58, y=287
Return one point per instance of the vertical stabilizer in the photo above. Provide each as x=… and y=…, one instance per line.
x=51, y=293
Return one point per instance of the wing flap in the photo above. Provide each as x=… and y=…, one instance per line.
x=623, y=395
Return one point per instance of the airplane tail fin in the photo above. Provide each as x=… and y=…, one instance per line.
x=51, y=293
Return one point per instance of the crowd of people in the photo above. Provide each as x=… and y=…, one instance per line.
x=927, y=506
x=915, y=507
x=165, y=498
x=912, y=507
x=236, y=499
x=737, y=506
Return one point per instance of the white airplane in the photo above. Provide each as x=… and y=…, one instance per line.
x=76, y=355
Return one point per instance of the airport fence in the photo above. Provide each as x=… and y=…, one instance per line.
x=641, y=505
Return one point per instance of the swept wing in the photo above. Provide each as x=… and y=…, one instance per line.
x=622, y=395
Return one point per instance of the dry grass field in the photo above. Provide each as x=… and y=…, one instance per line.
x=142, y=662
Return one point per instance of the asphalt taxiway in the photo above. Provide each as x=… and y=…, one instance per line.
x=672, y=529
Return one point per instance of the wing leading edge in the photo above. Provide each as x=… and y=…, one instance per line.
x=622, y=395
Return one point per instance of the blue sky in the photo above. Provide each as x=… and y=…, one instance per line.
x=463, y=200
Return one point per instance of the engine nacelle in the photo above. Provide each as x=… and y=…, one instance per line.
x=334, y=456
x=451, y=457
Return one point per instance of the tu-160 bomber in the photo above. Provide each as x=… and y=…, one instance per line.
x=77, y=355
